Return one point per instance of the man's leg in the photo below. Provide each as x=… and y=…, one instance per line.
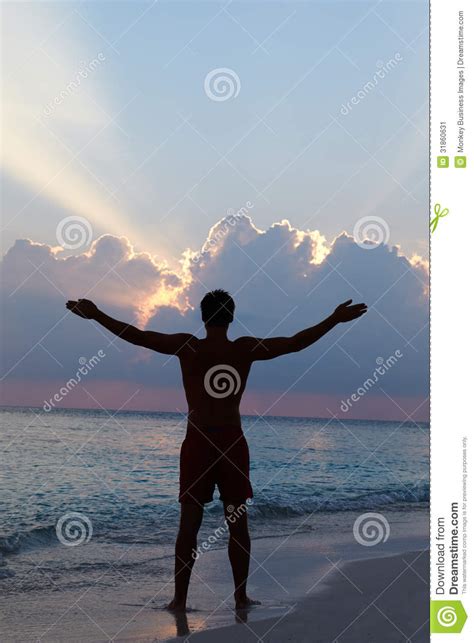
x=239, y=551
x=186, y=542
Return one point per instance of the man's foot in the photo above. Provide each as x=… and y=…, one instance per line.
x=244, y=602
x=176, y=606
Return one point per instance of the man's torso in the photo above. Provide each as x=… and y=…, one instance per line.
x=214, y=378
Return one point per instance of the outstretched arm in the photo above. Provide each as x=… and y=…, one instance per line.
x=160, y=342
x=261, y=349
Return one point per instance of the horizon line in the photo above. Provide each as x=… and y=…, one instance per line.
x=184, y=415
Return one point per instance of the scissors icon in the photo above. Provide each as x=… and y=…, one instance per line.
x=438, y=214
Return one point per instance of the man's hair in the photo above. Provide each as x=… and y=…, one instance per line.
x=217, y=308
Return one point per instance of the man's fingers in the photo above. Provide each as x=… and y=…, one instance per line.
x=74, y=308
x=358, y=310
x=346, y=303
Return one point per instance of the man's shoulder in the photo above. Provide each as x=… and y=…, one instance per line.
x=246, y=341
x=187, y=342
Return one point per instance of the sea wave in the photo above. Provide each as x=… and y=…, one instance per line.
x=406, y=496
x=30, y=539
x=135, y=526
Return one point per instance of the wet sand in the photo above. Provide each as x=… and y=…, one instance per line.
x=313, y=587
x=385, y=599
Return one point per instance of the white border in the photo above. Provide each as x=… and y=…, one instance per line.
x=452, y=302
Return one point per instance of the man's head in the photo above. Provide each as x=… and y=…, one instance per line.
x=217, y=308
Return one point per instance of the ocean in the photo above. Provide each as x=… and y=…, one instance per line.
x=108, y=482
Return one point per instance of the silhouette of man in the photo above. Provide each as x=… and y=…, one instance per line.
x=215, y=371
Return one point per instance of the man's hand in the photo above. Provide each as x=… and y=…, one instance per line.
x=84, y=308
x=345, y=312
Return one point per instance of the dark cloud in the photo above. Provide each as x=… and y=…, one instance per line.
x=283, y=280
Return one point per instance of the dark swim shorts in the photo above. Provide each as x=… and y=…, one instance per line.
x=210, y=457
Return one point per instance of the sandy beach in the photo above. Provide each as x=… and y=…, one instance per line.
x=385, y=599
x=316, y=587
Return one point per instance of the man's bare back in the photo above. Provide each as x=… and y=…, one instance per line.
x=215, y=372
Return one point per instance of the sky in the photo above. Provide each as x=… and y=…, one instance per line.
x=155, y=150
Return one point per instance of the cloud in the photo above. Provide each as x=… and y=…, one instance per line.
x=110, y=270
x=283, y=279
